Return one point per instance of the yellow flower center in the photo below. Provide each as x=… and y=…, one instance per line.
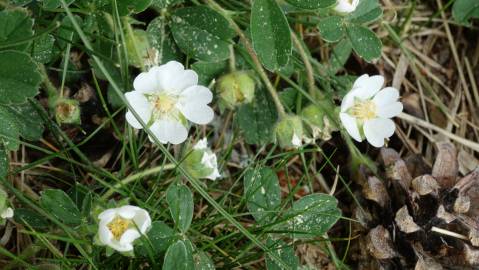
x=364, y=110
x=164, y=103
x=118, y=226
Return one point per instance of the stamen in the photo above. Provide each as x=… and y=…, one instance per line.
x=118, y=226
x=364, y=110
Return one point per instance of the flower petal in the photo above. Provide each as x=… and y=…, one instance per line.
x=142, y=220
x=169, y=131
x=174, y=78
x=390, y=110
x=386, y=96
x=142, y=107
x=366, y=87
x=343, y=6
x=116, y=245
x=147, y=82
x=200, y=115
x=7, y=213
x=351, y=126
x=128, y=211
x=107, y=215
x=376, y=130
x=129, y=236
x=104, y=234
x=197, y=94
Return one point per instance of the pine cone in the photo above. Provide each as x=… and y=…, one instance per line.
x=419, y=217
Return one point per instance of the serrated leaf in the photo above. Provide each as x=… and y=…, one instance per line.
x=312, y=216
x=178, y=257
x=331, y=28
x=180, y=202
x=262, y=194
x=42, y=49
x=3, y=162
x=284, y=251
x=59, y=204
x=29, y=217
x=161, y=39
x=160, y=236
x=464, y=10
x=19, y=77
x=203, y=261
x=339, y=56
x=202, y=33
x=16, y=25
x=367, y=11
x=9, y=130
x=270, y=34
x=311, y=4
x=365, y=42
x=28, y=121
x=257, y=120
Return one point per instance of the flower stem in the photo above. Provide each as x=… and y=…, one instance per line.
x=254, y=57
x=136, y=176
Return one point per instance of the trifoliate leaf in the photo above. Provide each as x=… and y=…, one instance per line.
x=59, y=204
x=178, y=257
x=160, y=38
x=284, y=251
x=30, y=218
x=367, y=11
x=202, y=33
x=16, y=25
x=331, y=28
x=262, y=193
x=270, y=34
x=160, y=237
x=365, y=42
x=180, y=202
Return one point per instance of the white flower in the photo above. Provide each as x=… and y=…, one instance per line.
x=208, y=159
x=366, y=111
x=119, y=227
x=296, y=141
x=346, y=6
x=165, y=98
x=7, y=213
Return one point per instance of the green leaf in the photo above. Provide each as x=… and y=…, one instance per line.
x=51, y=4
x=161, y=39
x=42, y=49
x=331, y=28
x=126, y=7
x=165, y=3
x=207, y=71
x=288, y=97
x=29, y=217
x=463, y=10
x=270, y=34
x=28, y=121
x=257, y=120
x=16, y=25
x=340, y=55
x=19, y=77
x=9, y=130
x=178, y=257
x=365, y=42
x=312, y=216
x=367, y=11
x=3, y=162
x=180, y=202
x=262, y=193
x=311, y=4
x=284, y=251
x=202, y=33
x=203, y=261
x=160, y=236
x=59, y=204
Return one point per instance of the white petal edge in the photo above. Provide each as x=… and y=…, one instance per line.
x=376, y=130
x=147, y=82
x=367, y=86
x=107, y=215
x=169, y=131
x=129, y=236
x=390, y=110
x=7, y=213
x=196, y=95
x=173, y=77
x=128, y=211
x=141, y=106
x=386, y=96
x=351, y=126
x=200, y=115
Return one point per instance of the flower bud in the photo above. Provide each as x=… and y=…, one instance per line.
x=67, y=111
x=201, y=162
x=318, y=124
x=289, y=132
x=236, y=88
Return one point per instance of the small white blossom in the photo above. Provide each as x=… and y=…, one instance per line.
x=366, y=110
x=296, y=141
x=346, y=6
x=120, y=227
x=208, y=159
x=165, y=98
x=7, y=213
